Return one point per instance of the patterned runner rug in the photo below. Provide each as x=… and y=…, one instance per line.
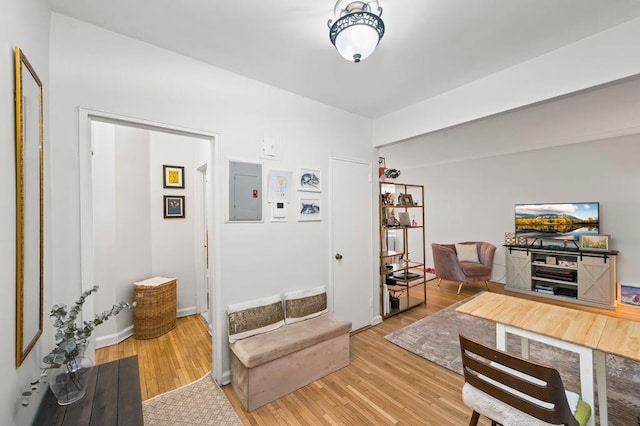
x=199, y=403
x=436, y=339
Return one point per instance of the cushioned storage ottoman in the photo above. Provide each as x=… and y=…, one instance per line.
x=270, y=365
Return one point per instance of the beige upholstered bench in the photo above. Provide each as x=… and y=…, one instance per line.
x=269, y=365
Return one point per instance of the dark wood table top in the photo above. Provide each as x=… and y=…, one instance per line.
x=113, y=398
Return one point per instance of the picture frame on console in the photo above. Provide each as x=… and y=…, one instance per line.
x=596, y=242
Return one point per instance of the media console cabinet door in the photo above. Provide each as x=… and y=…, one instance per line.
x=595, y=282
x=519, y=270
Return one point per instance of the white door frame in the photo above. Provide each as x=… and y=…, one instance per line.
x=203, y=298
x=214, y=213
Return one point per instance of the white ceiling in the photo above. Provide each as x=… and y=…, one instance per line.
x=430, y=46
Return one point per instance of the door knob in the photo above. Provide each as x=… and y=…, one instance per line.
x=338, y=256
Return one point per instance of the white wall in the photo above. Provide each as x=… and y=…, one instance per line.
x=121, y=226
x=132, y=239
x=470, y=194
x=174, y=243
x=24, y=24
x=103, y=71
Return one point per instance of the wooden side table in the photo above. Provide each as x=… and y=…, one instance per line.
x=155, y=313
x=113, y=398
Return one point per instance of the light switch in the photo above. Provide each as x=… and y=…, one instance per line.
x=269, y=146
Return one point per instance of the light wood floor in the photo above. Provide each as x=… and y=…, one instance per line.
x=384, y=384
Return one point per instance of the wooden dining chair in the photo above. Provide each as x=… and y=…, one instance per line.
x=511, y=390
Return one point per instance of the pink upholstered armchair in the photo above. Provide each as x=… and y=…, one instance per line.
x=468, y=268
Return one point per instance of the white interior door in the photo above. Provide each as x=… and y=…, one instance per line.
x=351, y=216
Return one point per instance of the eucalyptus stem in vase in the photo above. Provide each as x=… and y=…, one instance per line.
x=71, y=373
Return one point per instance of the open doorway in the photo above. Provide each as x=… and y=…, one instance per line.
x=123, y=217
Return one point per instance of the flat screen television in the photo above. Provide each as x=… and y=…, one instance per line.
x=562, y=221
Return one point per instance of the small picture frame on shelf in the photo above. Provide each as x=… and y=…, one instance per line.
x=596, y=242
x=551, y=260
x=405, y=200
x=629, y=295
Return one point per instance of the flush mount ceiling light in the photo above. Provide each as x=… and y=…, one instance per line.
x=357, y=30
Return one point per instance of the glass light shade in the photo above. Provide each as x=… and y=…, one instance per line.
x=357, y=42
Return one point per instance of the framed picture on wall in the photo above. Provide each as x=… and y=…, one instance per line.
x=173, y=206
x=173, y=176
x=309, y=209
x=310, y=180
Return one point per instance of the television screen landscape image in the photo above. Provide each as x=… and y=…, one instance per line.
x=563, y=221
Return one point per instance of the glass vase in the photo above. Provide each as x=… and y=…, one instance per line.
x=69, y=381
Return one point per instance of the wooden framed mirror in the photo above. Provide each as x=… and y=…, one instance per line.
x=29, y=207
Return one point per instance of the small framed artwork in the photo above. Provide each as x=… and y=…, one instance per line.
x=310, y=180
x=173, y=206
x=629, y=295
x=594, y=242
x=309, y=208
x=173, y=176
x=405, y=200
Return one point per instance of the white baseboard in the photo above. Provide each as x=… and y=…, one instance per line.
x=185, y=312
x=112, y=339
x=226, y=378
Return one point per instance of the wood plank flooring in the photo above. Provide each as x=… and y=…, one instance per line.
x=170, y=361
x=384, y=384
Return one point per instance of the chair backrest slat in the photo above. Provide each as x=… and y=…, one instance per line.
x=480, y=371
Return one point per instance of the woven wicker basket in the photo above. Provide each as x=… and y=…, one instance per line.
x=155, y=313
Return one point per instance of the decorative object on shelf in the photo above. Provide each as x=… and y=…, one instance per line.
x=404, y=219
x=173, y=176
x=551, y=260
x=510, y=238
x=310, y=180
x=388, y=199
x=357, y=30
x=405, y=200
x=522, y=241
x=594, y=242
x=173, y=206
x=71, y=369
x=394, y=301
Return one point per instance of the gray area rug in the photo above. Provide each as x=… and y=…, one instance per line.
x=436, y=339
x=199, y=403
